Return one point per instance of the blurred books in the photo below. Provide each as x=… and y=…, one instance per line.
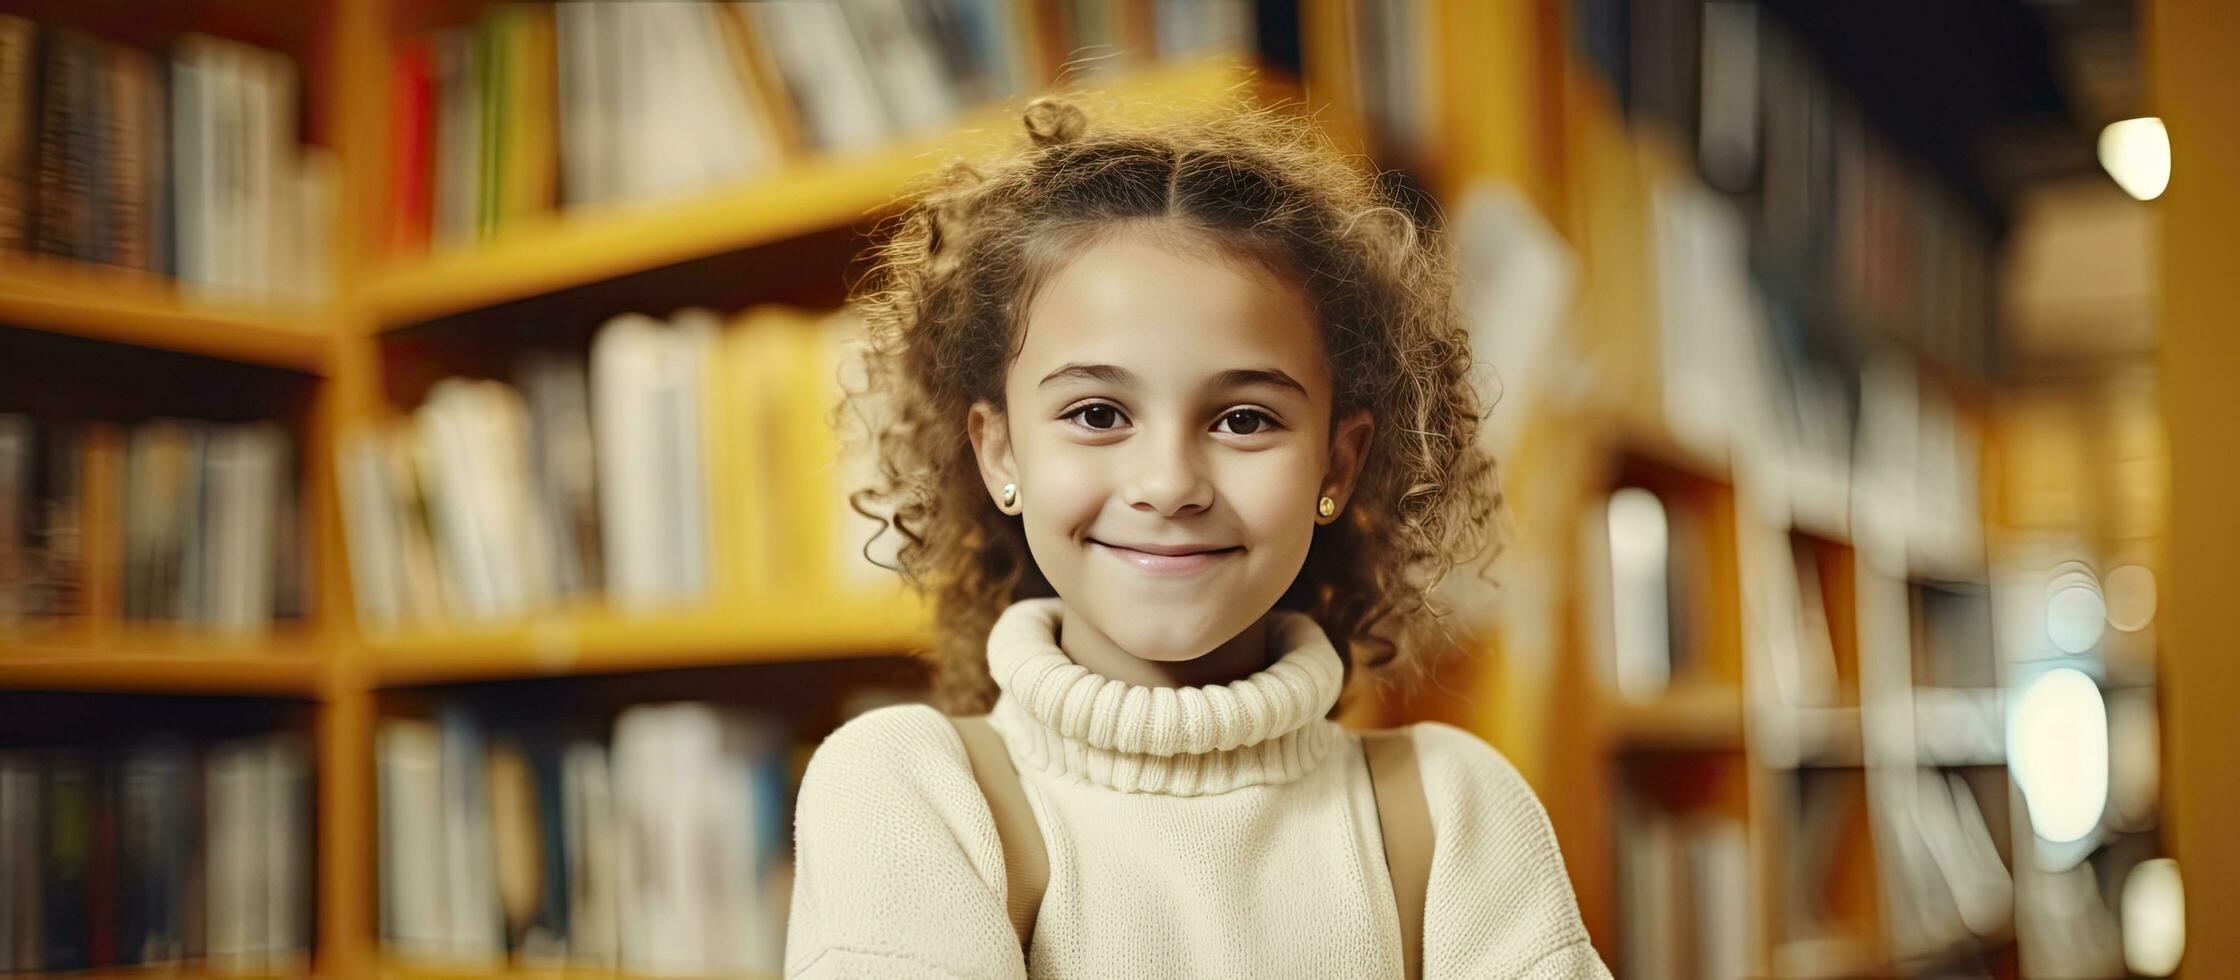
x=162, y=851
x=533, y=106
x=662, y=851
x=188, y=165
x=680, y=461
x=191, y=522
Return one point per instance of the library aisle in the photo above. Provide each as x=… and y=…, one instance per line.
x=427, y=551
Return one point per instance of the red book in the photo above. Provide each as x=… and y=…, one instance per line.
x=411, y=102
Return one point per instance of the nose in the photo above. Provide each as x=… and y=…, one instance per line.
x=1169, y=476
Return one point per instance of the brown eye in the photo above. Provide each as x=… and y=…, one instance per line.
x=1100, y=417
x=1245, y=421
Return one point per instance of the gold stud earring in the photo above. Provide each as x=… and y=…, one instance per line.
x=1010, y=496
x=1326, y=507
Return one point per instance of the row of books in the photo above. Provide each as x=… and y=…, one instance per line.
x=1860, y=239
x=587, y=103
x=183, y=520
x=1822, y=439
x=662, y=852
x=1684, y=884
x=1646, y=563
x=682, y=460
x=189, y=165
x=162, y=851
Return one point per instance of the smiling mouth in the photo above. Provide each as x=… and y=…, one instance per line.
x=1168, y=560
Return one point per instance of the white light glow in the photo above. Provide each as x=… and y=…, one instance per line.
x=2136, y=152
x=2131, y=598
x=2154, y=918
x=2075, y=618
x=1641, y=628
x=2057, y=736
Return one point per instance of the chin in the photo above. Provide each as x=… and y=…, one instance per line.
x=1169, y=636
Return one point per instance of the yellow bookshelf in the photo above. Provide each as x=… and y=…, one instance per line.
x=571, y=248
x=1690, y=718
x=126, y=307
x=604, y=641
x=401, y=971
x=341, y=672
x=163, y=661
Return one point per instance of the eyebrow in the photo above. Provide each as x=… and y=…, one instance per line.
x=1090, y=372
x=1241, y=378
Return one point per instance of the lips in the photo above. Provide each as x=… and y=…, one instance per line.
x=1168, y=559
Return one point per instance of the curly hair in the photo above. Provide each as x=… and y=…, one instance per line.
x=943, y=296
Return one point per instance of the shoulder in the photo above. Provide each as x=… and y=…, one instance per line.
x=1461, y=767
x=1484, y=815
x=894, y=781
x=902, y=750
x=898, y=869
x=1500, y=897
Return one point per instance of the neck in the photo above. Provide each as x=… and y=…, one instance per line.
x=1237, y=658
x=1064, y=719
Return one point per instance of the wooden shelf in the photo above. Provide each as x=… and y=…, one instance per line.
x=174, y=971
x=568, y=249
x=160, y=660
x=1834, y=956
x=1690, y=718
x=127, y=307
x=414, y=971
x=601, y=641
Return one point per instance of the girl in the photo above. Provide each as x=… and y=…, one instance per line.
x=1177, y=424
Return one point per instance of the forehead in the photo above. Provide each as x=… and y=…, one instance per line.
x=1169, y=309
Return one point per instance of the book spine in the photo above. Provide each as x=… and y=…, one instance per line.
x=22, y=864
x=124, y=225
x=192, y=145
x=63, y=225
x=68, y=859
x=411, y=104
x=19, y=41
x=102, y=870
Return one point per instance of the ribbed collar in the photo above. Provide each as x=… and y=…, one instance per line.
x=1060, y=718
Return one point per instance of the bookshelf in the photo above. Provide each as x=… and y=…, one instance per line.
x=119, y=345
x=557, y=251
x=599, y=641
x=157, y=662
x=1822, y=663
x=124, y=307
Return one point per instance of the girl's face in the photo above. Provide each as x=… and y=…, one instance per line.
x=1169, y=431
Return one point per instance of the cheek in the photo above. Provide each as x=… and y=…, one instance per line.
x=1065, y=489
x=1273, y=494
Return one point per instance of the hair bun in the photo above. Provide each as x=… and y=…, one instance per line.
x=1051, y=121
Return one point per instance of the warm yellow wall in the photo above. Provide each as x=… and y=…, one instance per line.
x=2192, y=48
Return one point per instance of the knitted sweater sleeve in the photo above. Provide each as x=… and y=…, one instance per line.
x=898, y=871
x=1499, y=902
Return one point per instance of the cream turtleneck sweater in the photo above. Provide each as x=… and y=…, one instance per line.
x=1225, y=830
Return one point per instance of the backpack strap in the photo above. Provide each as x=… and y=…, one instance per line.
x=1404, y=818
x=1026, y=865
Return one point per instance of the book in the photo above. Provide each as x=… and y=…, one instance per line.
x=156, y=817
x=563, y=465
x=414, y=901
x=19, y=128
x=472, y=908
x=591, y=831
x=22, y=864
x=411, y=108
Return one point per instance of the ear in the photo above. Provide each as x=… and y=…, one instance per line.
x=990, y=431
x=1349, y=448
